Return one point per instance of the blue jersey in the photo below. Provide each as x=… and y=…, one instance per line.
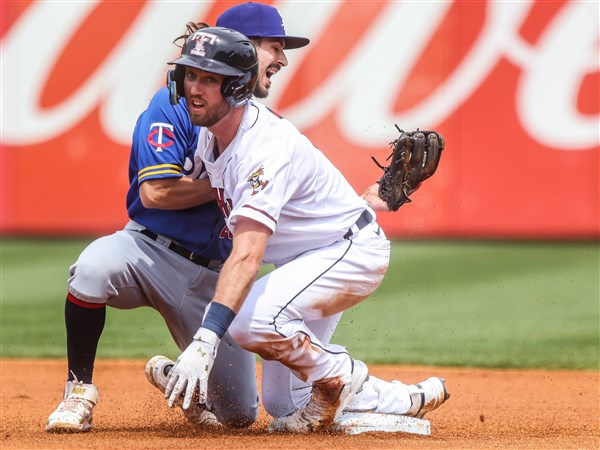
x=164, y=146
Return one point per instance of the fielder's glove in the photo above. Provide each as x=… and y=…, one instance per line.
x=415, y=157
x=192, y=368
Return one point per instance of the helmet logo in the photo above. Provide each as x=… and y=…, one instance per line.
x=201, y=39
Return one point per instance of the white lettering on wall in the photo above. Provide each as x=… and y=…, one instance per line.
x=361, y=89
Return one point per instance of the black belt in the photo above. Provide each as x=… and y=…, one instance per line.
x=363, y=220
x=196, y=259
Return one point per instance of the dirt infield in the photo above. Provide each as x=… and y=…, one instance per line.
x=488, y=409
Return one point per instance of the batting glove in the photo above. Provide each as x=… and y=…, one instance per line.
x=192, y=369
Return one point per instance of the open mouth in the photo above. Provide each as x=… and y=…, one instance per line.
x=196, y=103
x=272, y=70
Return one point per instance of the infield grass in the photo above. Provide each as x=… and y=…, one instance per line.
x=450, y=303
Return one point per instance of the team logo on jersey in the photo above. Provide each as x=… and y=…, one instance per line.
x=255, y=180
x=161, y=135
x=201, y=39
x=226, y=206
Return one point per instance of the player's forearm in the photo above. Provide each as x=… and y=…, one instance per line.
x=238, y=275
x=175, y=193
x=236, y=279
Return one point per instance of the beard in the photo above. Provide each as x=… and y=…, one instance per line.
x=209, y=115
x=260, y=91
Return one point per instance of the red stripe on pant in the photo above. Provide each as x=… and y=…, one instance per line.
x=83, y=304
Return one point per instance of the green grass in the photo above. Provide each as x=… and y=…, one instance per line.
x=520, y=305
x=486, y=304
x=34, y=287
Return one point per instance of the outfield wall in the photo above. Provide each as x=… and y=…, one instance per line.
x=513, y=87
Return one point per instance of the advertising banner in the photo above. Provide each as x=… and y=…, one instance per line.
x=512, y=86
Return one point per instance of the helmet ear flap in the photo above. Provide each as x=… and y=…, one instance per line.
x=238, y=89
x=175, y=83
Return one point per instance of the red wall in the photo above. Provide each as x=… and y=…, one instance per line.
x=513, y=87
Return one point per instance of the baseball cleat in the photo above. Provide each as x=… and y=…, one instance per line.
x=326, y=403
x=75, y=413
x=157, y=372
x=427, y=396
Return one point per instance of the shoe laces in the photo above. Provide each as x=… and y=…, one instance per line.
x=75, y=405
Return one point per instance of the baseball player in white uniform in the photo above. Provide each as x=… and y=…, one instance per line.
x=284, y=204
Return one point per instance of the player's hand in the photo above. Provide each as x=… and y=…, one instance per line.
x=192, y=369
x=371, y=196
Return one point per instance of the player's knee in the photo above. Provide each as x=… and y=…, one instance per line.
x=89, y=276
x=237, y=334
x=89, y=270
x=99, y=260
x=268, y=340
x=93, y=278
x=274, y=406
x=251, y=332
x=240, y=416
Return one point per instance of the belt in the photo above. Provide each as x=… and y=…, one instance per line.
x=363, y=220
x=196, y=259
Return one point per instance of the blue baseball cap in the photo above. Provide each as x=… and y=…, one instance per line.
x=257, y=20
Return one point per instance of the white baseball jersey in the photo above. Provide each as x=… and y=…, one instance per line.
x=273, y=174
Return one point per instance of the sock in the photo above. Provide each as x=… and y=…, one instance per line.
x=84, y=327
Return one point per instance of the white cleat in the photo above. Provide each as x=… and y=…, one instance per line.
x=75, y=413
x=427, y=396
x=326, y=403
x=157, y=372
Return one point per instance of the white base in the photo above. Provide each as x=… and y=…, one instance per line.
x=356, y=422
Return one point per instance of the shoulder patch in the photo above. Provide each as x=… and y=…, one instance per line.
x=161, y=135
x=255, y=180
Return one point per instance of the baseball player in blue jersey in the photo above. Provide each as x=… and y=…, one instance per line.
x=176, y=233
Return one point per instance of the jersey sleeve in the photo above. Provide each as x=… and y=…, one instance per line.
x=164, y=140
x=266, y=183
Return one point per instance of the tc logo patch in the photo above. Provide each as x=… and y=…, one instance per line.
x=161, y=135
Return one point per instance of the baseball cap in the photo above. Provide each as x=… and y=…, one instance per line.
x=257, y=20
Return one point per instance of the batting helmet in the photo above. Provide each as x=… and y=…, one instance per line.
x=223, y=51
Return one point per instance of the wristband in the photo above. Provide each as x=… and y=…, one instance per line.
x=218, y=318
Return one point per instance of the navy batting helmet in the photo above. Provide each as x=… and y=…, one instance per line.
x=223, y=51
